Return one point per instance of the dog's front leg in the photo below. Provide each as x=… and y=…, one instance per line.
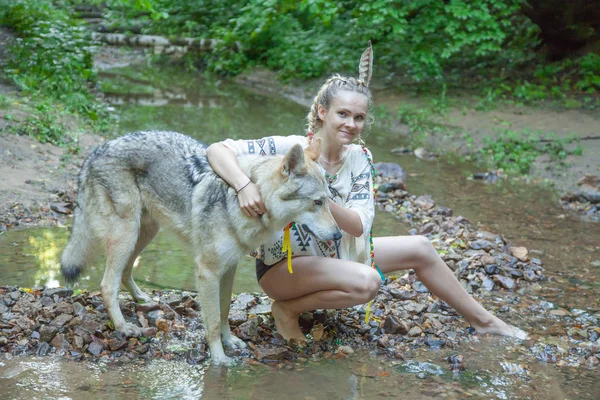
x=208, y=285
x=229, y=340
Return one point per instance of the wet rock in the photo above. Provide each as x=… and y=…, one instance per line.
x=424, y=154
x=270, y=353
x=61, y=320
x=42, y=349
x=488, y=284
x=390, y=170
x=419, y=287
x=59, y=342
x=154, y=315
x=47, y=333
x=434, y=343
x=62, y=208
x=195, y=356
x=481, y=244
x=243, y=301
x=95, y=348
x=425, y=202
x=162, y=325
x=60, y=292
x=520, y=252
x=237, y=317
x=391, y=186
x=506, y=282
x=393, y=325
x=401, y=150
x=260, y=309
x=78, y=309
x=248, y=330
x=402, y=294
x=415, y=331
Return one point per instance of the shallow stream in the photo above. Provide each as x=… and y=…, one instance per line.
x=495, y=368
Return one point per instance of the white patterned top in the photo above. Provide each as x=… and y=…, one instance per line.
x=352, y=189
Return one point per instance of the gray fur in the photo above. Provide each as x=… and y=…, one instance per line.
x=130, y=186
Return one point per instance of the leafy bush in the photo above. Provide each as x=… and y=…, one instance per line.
x=51, y=61
x=516, y=152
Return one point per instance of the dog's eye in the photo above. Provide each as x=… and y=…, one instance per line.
x=318, y=202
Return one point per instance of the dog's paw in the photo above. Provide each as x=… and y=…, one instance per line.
x=222, y=360
x=134, y=330
x=234, y=342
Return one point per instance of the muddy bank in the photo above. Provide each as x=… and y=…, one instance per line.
x=38, y=185
x=405, y=316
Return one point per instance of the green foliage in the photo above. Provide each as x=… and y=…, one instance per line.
x=309, y=38
x=51, y=61
x=516, y=152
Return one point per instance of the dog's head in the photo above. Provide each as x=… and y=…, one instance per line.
x=303, y=194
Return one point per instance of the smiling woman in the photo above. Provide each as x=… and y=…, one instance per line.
x=339, y=273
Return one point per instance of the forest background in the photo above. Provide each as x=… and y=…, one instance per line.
x=542, y=53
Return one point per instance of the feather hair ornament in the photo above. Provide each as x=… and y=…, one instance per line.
x=365, y=66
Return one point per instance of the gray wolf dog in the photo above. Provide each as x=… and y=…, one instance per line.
x=131, y=185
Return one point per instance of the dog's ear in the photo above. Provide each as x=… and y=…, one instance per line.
x=313, y=151
x=293, y=163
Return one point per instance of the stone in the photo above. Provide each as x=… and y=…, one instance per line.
x=424, y=202
x=248, y=330
x=60, y=292
x=520, y=252
x=59, y=342
x=42, y=349
x=415, y=331
x=270, y=353
x=237, y=317
x=61, y=320
x=420, y=287
x=63, y=308
x=47, y=333
x=95, y=348
x=401, y=294
x=481, y=244
x=506, y=282
x=390, y=170
x=395, y=326
x=488, y=284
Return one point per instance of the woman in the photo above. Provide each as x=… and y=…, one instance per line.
x=339, y=274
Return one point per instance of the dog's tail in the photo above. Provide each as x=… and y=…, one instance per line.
x=80, y=248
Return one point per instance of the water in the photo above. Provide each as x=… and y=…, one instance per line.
x=496, y=368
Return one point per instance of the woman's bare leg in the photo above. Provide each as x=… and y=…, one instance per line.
x=416, y=252
x=316, y=283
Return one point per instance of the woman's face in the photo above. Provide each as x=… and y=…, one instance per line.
x=345, y=118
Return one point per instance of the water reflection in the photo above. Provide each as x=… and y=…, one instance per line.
x=31, y=257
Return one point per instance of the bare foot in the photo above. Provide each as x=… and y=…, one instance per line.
x=286, y=323
x=498, y=327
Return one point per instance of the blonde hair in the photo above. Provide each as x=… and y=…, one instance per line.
x=330, y=89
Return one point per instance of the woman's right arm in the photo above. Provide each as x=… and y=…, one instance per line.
x=224, y=162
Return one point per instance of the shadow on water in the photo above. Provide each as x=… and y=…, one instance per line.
x=495, y=368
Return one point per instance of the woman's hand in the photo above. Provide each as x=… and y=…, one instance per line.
x=251, y=201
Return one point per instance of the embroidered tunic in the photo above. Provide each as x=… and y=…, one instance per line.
x=352, y=188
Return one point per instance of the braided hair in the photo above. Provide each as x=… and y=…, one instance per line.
x=328, y=91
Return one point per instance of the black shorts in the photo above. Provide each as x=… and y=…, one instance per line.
x=262, y=268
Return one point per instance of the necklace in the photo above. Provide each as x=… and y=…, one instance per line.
x=330, y=178
x=331, y=162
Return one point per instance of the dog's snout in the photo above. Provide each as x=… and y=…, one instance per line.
x=337, y=235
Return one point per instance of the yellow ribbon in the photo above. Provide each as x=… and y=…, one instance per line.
x=287, y=246
x=368, y=314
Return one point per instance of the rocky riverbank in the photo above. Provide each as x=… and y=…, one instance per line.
x=405, y=316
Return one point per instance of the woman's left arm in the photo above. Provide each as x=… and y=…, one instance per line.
x=348, y=220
